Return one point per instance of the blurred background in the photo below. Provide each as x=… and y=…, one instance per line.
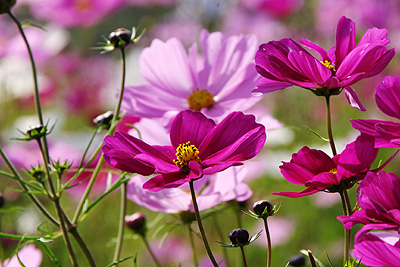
x=78, y=83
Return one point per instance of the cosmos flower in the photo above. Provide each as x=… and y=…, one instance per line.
x=386, y=133
x=216, y=82
x=198, y=147
x=28, y=255
x=285, y=63
x=319, y=172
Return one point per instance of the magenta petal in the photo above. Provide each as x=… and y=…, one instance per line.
x=166, y=180
x=388, y=96
x=295, y=173
x=345, y=39
x=266, y=85
x=387, y=134
x=307, y=192
x=375, y=35
x=323, y=180
x=316, y=48
x=365, y=126
x=353, y=98
x=190, y=126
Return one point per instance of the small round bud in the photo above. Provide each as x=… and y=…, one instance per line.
x=298, y=261
x=120, y=37
x=187, y=217
x=136, y=222
x=104, y=119
x=239, y=236
x=6, y=5
x=260, y=206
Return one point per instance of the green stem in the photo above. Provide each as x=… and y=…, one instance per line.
x=150, y=251
x=192, y=245
x=121, y=92
x=121, y=228
x=347, y=233
x=243, y=256
x=82, y=245
x=238, y=214
x=329, y=125
x=200, y=224
x=221, y=237
x=269, y=257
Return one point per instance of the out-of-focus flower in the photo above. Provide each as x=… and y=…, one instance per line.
x=319, y=172
x=150, y=3
x=285, y=63
x=278, y=9
x=28, y=255
x=217, y=82
x=198, y=147
x=386, y=133
x=83, y=13
x=379, y=199
x=378, y=248
x=210, y=191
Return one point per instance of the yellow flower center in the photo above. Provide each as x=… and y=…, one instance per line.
x=334, y=171
x=200, y=99
x=328, y=64
x=83, y=5
x=186, y=153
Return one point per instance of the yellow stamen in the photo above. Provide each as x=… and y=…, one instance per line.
x=334, y=171
x=186, y=153
x=328, y=64
x=200, y=99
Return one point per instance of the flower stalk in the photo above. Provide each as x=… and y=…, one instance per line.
x=329, y=125
x=200, y=224
x=269, y=256
x=243, y=256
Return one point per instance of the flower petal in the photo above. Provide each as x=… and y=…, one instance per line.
x=388, y=96
x=345, y=39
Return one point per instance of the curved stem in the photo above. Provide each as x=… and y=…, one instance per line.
x=269, y=257
x=74, y=232
x=347, y=233
x=243, y=256
x=121, y=228
x=200, y=224
x=329, y=125
x=150, y=251
x=121, y=92
x=193, y=247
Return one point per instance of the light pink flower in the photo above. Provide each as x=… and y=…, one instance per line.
x=28, y=255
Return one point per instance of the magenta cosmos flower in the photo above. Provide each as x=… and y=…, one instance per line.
x=216, y=82
x=285, y=63
x=386, y=133
x=319, y=172
x=198, y=147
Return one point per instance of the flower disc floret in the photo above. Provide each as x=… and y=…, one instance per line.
x=186, y=153
x=200, y=99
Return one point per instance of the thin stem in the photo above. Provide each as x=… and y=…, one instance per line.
x=121, y=228
x=121, y=92
x=269, y=257
x=221, y=237
x=200, y=224
x=150, y=251
x=82, y=245
x=243, y=256
x=347, y=233
x=238, y=213
x=329, y=125
x=26, y=190
x=192, y=245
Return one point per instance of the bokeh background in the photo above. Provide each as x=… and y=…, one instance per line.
x=78, y=83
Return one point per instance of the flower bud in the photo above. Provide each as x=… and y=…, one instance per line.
x=104, y=119
x=260, y=206
x=187, y=217
x=297, y=261
x=136, y=222
x=120, y=37
x=37, y=173
x=1, y=200
x=60, y=167
x=239, y=236
x=6, y=5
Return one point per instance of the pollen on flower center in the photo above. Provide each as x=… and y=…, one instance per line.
x=186, y=153
x=328, y=64
x=200, y=99
x=334, y=171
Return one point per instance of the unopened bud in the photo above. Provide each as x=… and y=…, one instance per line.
x=120, y=37
x=239, y=236
x=136, y=222
x=262, y=206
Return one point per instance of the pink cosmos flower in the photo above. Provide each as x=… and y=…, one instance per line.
x=28, y=255
x=216, y=82
x=378, y=248
x=319, y=172
x=278, y=9
x=285, y=63
x=210, y=191
x=67, y=13
x=386, y=133
x=198, y=147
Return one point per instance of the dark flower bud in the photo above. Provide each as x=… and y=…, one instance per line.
x=239, y=236
x=136, y=222
x=104, y=120
x=36, y=132
x=37, y=173
x=6, y=5
x=187, y=217
x=297, y=261
x=1, y=200
x=120, y=37
x=260, y=206
x=60, y=168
